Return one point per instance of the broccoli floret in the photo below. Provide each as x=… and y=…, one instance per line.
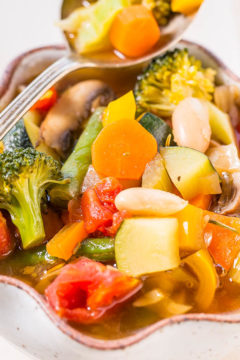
x=161, y=10
x=171, y=78
x=25, y=174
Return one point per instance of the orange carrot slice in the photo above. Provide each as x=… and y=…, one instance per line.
x=134, y=31
x=201, y=201
x=122, y=150
x=65, y=241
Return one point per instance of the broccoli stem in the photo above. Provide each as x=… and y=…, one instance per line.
x=76, y=166
x=25, y=212
x=29, y=220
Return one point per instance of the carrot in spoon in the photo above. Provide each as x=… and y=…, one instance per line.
x=134, y=31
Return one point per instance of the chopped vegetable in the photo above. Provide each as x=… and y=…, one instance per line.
x=77, y=164
x=170, y=307
x=6, y=243
x=149, y=298
x=158, y=128
x=218, y=223
x=186, y=7
x=91, y=25
x=202, y=201
x=191, y=225
x=122, y=149
x=155, y=175
x=98, y=208
x=24, y=177
x=122, y=108
x=149, y=202
x=225, y=244
x=170, y=281
x=46, y=101
x=134, y=31
x=107, y=190
x=86, y=290
x=147, y=245
x=32, y=120
x=91, y=179
x=191, y=171
x=17, y=138
x=31, y=257
x=99, y=249
x=74, y=210
x=221, y=126
x=63, y=244
x=202, y=266
x=161, y=303
x=161, y=10
x=96, y=216
x=171, y=78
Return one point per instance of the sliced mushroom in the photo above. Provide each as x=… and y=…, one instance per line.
x=229, y=201
x=74, y=106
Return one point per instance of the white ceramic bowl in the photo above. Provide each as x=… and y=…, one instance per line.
x=27, y=320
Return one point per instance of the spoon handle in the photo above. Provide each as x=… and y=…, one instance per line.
x=27, y=98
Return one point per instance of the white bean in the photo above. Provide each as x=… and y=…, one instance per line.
x=149, y=202
x=191, y=126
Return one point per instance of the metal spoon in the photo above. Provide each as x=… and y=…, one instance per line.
x=171, y=34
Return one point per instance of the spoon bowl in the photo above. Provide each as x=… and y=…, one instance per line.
x=171, y=34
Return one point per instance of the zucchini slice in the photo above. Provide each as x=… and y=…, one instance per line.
x=157, y=127
x=147, y=245
x=191, y=171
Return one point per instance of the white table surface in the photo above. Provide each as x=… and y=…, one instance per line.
x=25, y=24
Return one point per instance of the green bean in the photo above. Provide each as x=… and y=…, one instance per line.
x=101, y=249
x=76, y=166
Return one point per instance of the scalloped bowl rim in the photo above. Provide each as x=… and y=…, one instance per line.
x=68, y=330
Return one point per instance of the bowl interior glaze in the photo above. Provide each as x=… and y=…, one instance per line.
x=27, y=320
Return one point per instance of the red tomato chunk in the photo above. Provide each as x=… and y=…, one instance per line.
x=85, y=290
x=97, y=208
x=6, y=243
